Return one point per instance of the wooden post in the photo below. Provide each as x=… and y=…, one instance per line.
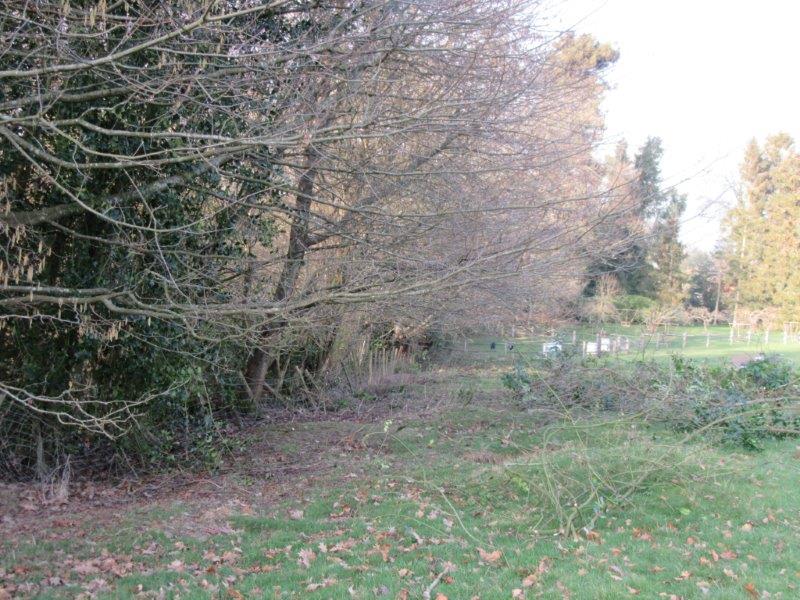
x=583, y=349
x=730, y=338
x=658, y=340
x=766, y=337
x=574, y=336
x=599, y=339
x=684, y=340
x=708, y=340
x=749, y=334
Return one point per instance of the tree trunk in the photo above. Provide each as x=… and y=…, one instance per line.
x=259, y=361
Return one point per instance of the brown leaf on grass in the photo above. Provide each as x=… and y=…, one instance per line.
x=747, y=526
x=616, y=573
x=751, y=590
x=517, y=593
x=295, y=514
x=85, y=567
x=235, y=594
x=728, y=555
x=641, y=534
x=441, y=596
x=95, y=585
x=594, y=536
x=491, y=558
x=633, y=591
x=530, y=580
x=730, y=573
x=305, y=556
x=4, y=594
x=177, y=566
x=343, y=545
x=565, y=593
x=403, y=595
x=342, y=514
x=313, y=587
x=544, y=565
x=383, y=550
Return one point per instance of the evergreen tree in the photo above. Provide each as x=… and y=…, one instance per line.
x=763, y=241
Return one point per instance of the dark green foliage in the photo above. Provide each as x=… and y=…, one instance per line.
x=717, y=402
x=179, y=372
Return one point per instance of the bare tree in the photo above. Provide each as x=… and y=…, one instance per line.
x=224, y=181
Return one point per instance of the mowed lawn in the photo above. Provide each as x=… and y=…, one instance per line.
x=453, y=502
x=713, y=344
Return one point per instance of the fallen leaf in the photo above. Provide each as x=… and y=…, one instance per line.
x=441, y=596
x=86, y=567
x=295, y=514
x=312, y=587
x=402, y=595
x=565, y=593
x=305, y=557
x=490, y=557
x=530, y=580
x=544, y=565
x=593, y=536
x=751, y=590
x=517, y=593
x=176, y=565
x=747, y=526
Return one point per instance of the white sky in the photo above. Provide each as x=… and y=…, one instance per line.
x=705, y=76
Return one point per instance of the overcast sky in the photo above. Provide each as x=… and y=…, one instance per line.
x=705, y=76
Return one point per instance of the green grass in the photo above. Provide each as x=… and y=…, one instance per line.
x=719, y=347
x=475, y=477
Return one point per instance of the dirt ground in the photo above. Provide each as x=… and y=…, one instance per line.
x=284, y=454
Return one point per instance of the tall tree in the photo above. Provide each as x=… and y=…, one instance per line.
x=763, y=229
x=649, y=254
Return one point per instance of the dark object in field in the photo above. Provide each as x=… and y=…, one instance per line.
x=492, y=346
x=511, y=346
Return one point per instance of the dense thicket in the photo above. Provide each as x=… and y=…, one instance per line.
x=209, y=204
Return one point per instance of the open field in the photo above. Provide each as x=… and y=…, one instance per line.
x=448, y=489
x=713, y=344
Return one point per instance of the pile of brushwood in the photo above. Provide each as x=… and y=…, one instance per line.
x=742, y=406
x=615, y=432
